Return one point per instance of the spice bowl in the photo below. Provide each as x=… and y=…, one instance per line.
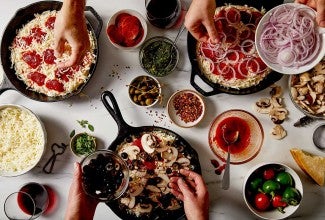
x=127, y=29
x=144, y=91
x=186, y=108
x=272, y=190
x=82, y=144
x=105, y=175
x=159, y=56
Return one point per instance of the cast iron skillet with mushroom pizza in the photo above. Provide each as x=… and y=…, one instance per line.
x=153, y=155
x=28, y=59
x=232, y=65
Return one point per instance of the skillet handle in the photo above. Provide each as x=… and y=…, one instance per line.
x=115, y=111
x=98, y=19
x=198, y=88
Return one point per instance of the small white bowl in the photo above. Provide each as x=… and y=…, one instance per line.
x=26, y=150
x=175, y=115
x=112, y=21
x=151, y=84
x=273, y=213
x=74, y=139
x=276, y=66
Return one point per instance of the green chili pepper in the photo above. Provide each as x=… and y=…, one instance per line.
x=291, y=196
x=255, y=184
x=270, y=186
x=284, y=178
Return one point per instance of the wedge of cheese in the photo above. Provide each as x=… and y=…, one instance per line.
x=312, y=165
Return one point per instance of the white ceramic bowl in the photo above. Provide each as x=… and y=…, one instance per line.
x=112, y=21
x=276, y=66
x=151, y=91
x=18, y=153
x=74, y=139
x=271, y=213
x=175, y=112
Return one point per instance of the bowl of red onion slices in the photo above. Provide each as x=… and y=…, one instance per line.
x=289, y=40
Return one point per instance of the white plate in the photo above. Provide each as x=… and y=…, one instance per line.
x=172, y=113
x=277, y=67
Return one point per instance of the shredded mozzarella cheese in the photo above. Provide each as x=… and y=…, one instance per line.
x=21, y=140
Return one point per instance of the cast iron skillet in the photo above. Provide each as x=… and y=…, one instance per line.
x=124, y=131
x=22, y=17
x=218, y=88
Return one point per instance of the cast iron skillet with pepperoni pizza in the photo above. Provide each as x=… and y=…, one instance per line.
x=232, y=65
x=21, y=19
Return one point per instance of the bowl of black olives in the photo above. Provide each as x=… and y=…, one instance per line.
x=105, y=176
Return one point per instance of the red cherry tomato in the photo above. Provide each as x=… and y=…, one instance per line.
x=277, y=202
x=268, y=174
x=262, y=201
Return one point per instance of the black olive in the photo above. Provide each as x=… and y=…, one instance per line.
x=176, y=166
x=109, y=166
x=151, y=181
x=124, y=156
x=150, y=172
x=169, y=170
x=128, y=139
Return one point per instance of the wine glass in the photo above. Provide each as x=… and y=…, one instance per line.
x=28, y=203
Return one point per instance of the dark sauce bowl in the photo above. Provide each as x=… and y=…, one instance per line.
x=159, y=56
x=105, y=176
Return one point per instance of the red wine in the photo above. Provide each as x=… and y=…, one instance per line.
x=163, y=13
x=30, y=194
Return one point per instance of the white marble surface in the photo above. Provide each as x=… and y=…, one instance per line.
x=114, y=71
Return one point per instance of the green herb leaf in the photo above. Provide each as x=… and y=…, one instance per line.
x=83, y=123
x=84, y=144
x=73, y=132
x=90, y=127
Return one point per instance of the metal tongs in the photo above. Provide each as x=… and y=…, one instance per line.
x=56, y=150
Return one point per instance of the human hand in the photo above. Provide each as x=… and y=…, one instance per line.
x=192, y=190
x=80, y=205
x=199, y=20
x=319, y=6
x=70, y=26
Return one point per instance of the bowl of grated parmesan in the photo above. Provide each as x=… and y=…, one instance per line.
x=22, y=140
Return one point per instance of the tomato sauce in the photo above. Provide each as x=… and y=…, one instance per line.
x=230, y=126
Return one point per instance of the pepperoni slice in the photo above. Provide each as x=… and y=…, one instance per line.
x=64, y=74
x=245, y=17
x=256, y=17
x=54, y=85
x=48, y=56
x=241, y=70
x=257, y=65
x=38, y=34
x=50, y=22
x=37, y=78
x=32, y=58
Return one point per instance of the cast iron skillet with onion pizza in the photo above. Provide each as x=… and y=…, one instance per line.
x=26, y=49
x=233, y=65
x=148, y=196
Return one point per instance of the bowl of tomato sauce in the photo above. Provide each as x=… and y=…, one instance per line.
x=247, y=129
x=272, y=190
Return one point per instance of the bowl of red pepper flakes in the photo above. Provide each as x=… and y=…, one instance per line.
x=127, y=29
x=186, y=108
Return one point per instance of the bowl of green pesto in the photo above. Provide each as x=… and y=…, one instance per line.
x=83, y=144
x=159, y=56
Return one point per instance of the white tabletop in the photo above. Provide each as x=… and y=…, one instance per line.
x=114, y=71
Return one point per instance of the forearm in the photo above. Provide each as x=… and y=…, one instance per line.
x=83, y=212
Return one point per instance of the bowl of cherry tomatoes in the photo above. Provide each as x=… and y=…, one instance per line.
x=272, y=190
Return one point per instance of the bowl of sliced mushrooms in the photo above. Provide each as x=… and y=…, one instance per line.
x=307, y=91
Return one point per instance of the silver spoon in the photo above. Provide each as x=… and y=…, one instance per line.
x=229, y=141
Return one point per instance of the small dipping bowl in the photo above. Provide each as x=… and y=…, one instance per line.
x=319, y=137
x=159, y=56
x=82, y=135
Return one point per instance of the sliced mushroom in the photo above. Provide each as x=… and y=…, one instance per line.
x=263, y=106
x=135, y=189
x=276, y=102
x=278, y=132
x=304, y=77
x=184, y=162
x=278, y=115
x=131, y=150
x=153, y=188
x=294, y=93
x=162, y=146
x=169, y=156
x=128, y=201
x=144, y=208
x=149, y=143
x=276, y=91
x=174, y=204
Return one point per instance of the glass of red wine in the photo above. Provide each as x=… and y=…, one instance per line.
x=163, y=13
x=28, y=203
